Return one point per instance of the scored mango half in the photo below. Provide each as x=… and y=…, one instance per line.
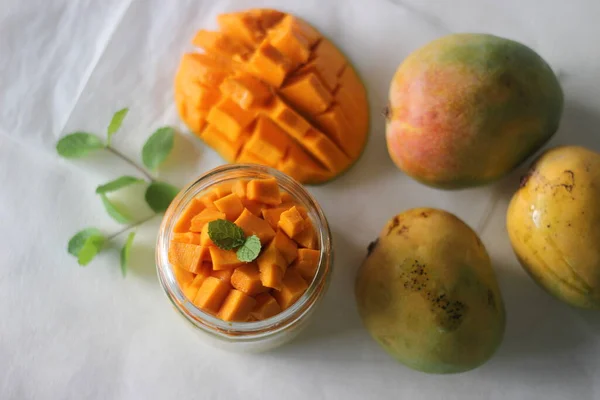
x=269, y=89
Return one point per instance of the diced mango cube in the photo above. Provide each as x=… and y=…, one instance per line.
x=229, y=118
x=301, y=166
x=253, y=225
x=188, y=237
x=330, y=56
x=208, y=199
x=231, y=206
x=292, y=122
x=205, y=240
x=295, y=24
x=241, y=26
x=335, y=124
x=266, y=306
x=191, y=210
x=268, y=140
x=247, y=157
x=247, y=279
x=307, y=238
x=271, y=257
x=222, y=190
x=324, y=150
x=253, y=206
x=182, y=276
x=185, y=255
x=306, y=263
x=203, y=68
x=307, y=93
x=192, y=289
x=286, y=197
x=292, y=288
x=286, y=246
x=221, y=144
x=291, y=44
x=223, y=259
x=246, y=90
x=271, y=275
x=291, y=222
x=264, y=191
x=268, y=64
x=206, y=216
x=271, y=215
x=239, y=188
x=211, y=294
x=218, y=42
x=236, y=307
x=223, y=274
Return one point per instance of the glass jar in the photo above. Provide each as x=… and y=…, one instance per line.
x=257, y=335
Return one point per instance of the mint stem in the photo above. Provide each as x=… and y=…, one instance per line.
x=128, y=227
x=130, y=162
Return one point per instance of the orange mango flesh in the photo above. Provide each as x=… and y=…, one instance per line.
x=216, y=281
x=291, y=222
x=266, y=306
x=269, y=89
x=292, y=287
x=247, y=279
x=306, y=263
x=230, y=205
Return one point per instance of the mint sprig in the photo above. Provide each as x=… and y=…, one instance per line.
x=86, y=244
x=228, y=236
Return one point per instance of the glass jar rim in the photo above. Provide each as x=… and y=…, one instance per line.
x=209, y=322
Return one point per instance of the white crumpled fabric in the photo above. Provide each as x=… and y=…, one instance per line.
x=86, y=333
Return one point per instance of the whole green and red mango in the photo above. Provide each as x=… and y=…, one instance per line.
x=466, y=109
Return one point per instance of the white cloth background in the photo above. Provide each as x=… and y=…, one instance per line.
x=85, y=333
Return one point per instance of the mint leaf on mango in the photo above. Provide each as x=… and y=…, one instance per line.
x=249, y=250
x=159, y=196
x=78, y=144
x=118, y=183
x=157, y=147
x=115, y=123
x=125, y=251
x=225, y=234
x=114, y=211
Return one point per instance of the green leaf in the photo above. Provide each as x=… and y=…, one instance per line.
x=90, y=248
x=249, y=250
x=113, y=211
x=225, y=234
x=159, y=195
x=157, y=147
x=125, y=253
x=78, y=240
x=78, y=144
x=115, y=123
x=118, y=183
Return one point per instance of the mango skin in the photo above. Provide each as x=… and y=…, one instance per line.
x=428, y=295
x=466, y=109
x=553, y=222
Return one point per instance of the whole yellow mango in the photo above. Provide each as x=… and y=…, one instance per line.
x=553, y=222
x=428, y=295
